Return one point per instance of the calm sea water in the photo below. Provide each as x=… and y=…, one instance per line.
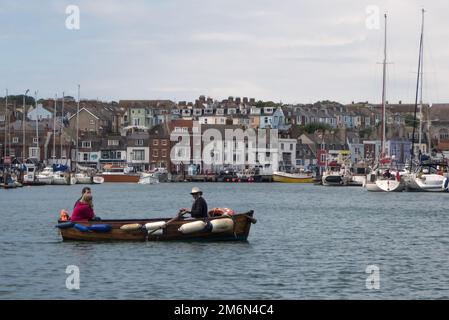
x=309, y=242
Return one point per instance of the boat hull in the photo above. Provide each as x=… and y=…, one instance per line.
x=82, y=179
x=67, y=180
x=44, y=179
x=97, y=180
x=291, y=178
x=120, y=178
x=372, y=187
x=425, y=183
x=242, y=225
x=335, y=180
x=390, y=185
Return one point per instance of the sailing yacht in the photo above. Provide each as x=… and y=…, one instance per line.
x=382, y=178
x=428, y=175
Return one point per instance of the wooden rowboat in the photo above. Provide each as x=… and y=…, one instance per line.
x=240, y=231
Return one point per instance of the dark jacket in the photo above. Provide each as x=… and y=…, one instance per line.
x=199, y=208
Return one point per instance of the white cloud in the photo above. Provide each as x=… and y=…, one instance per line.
x=281, y=50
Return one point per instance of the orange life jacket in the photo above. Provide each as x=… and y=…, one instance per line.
x=216, y=212
x=63, y=215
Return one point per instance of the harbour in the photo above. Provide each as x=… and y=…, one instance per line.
x=308, y=243
x=219, y=158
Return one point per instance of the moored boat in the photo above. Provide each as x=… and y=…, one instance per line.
x=222, y=228
x=83, y=178
x=301, y=177
x=97, y=180
x=390, y=185
x=148, y=178
x=336, y=175
x=119, y=174
x=63, y=178
x=45, y=176
x=428, y=177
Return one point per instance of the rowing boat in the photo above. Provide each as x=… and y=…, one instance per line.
x=170, y=229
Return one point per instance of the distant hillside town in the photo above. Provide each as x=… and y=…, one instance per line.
x=137, y=132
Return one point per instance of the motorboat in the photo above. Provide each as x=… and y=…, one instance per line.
x=429, y=176
x=63, y=178
x=113, y=173
x=45, y=176
x=336, y=175
x=148, y=178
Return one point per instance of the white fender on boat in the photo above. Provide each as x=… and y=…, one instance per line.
x=192, y=227
x=222, y=225
x=155, y=225
x=131, y=227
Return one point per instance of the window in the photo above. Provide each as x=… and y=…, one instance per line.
x=15, y=140
x=113, y=142
x=291, y=146
x=35, y=140
x=85, y=156
x=282, y=146
x=139, y=142
x=155, y=142
x=155, y=153
x=164, y=153
x=323, y=157
x=164, y=142
x=86, y=144
x=2, y=117
x=91, y=122
x=139, y=155
x=34, y=152
x=444, y=134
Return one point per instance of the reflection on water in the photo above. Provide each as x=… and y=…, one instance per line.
x=309, y=242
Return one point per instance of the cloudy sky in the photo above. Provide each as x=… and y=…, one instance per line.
x=289, y=51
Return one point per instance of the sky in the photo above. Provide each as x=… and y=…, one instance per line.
x=280, y=50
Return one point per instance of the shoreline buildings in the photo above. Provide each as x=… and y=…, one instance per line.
x=138, y=133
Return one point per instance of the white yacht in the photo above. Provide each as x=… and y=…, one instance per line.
x=430, y=176
x=148, y=178
x=45, y=176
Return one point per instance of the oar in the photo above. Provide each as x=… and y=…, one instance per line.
x=179, y=215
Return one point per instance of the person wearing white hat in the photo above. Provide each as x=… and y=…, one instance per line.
x=199, y=207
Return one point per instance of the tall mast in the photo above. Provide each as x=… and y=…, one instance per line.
x=60, y=128
x=23, y=127
x=421, y=85
x=6, y=126
x=37, y=126
x=412, y=151
x=54, y=131
x=77, y=129
x=384, y=71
